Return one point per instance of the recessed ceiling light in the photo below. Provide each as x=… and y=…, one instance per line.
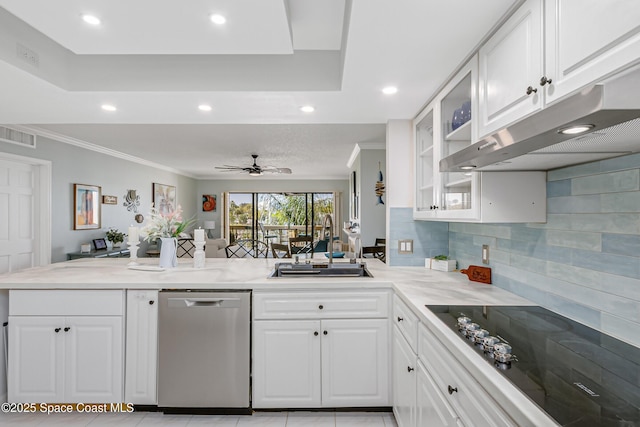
x=218, y=19
x=390, y=90
x=576, y=129
x=90, y=19
x=204, y=107
x=108, y=107
x=307, y=109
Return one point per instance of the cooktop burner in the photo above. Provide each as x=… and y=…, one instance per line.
x=579, y=376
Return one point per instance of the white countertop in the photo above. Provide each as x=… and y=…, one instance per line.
x=417, y=285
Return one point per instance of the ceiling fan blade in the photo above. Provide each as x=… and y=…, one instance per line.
x=272, y=169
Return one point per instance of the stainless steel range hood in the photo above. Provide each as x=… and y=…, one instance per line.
x=535, y=143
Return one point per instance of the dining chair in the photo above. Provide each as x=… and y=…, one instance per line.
x=247, y=248
x=300, y=245
x=266, y=237
x=378, y=250
x=278, y=250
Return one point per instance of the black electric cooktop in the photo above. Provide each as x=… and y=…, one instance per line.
x=579, y=376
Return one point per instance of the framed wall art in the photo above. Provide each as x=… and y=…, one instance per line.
x=209, y=203
x=164, y=198
x=109, y=200
x=86, y=207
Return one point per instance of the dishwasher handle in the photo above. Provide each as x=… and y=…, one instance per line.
x=203, y=302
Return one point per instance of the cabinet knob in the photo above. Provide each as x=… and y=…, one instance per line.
x=67, y=329
x=325, y=333
x=315, y=334
x=57, y=330
x=409, y=369
x=531, y=90
x=544, y=80
x=151, y=302
x=320, y=306
x=400, y=319
x=452, y=390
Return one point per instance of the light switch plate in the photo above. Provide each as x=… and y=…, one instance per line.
x=405, y=246
x=485, y=254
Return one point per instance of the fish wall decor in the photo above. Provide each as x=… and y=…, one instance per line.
x=380, y=186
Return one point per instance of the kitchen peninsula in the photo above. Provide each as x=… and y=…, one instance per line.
x=394, y=298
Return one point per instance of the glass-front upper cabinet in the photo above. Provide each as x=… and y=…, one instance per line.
x=425, y=173
x=443, y=128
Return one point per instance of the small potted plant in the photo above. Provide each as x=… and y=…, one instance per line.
x=115, y=237
x=441, y=263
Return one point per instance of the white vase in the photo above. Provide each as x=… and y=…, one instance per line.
x=168, y=252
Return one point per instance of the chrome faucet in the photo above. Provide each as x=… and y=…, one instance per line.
x=326, y=218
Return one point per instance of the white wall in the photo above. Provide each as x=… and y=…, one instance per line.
x=400, y=164
x=372, y=215
x=71, y=164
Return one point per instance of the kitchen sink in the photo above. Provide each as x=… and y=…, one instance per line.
x=320, y=269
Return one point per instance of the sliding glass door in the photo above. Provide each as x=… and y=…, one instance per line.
x=277, y=217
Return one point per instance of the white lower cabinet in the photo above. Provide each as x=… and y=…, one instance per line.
x=404, y=381
x=431, y=407
x=454, y=385
x=65, y=359
x=65, y=346
x=141, y=350
x=319, y=362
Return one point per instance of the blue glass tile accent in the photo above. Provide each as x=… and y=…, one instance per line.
x=621, y=244
x=558, y=188
x=574, y=204
x=614, y=182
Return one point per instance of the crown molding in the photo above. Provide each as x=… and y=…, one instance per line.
x=98, y=149
x=363, y=146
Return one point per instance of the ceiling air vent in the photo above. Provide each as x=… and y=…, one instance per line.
x=17, y=137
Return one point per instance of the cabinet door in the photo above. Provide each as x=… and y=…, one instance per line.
x=93, y=359
x=426, y=135
x=510, y=62
x=585, y=44
x=404, y=381
x=36, y=355
x=432, y=408
x=141, y=358
x=355, y=358
x=286, y=364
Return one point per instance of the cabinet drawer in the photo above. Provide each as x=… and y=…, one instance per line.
x=406, y=321
x=66, y=302
x=472, y=403
x=320, y=305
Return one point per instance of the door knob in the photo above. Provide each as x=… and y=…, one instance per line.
x=151, y=302
x=321, y=306
x=57, y=330
x=400, y=319
x=531, y=90
x=315, y=334
x=325, y=333
x=67, y=329
x=544, y=80
x=409, y=369
x=452, y=390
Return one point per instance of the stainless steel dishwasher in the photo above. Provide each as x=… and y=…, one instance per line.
x=204, y=351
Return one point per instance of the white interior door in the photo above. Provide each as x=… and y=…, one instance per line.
x=17, y=234
x=25, y=212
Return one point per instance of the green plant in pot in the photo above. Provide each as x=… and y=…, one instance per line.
x=115, y=237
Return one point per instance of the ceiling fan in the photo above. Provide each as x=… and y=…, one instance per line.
x=254, y=170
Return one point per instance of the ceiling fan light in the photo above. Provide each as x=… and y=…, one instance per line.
x=255, y=173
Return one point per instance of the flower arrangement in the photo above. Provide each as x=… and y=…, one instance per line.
x=164, y=225
x=114, y=236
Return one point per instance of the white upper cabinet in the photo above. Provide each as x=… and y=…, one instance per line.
x=511, y=64
x=443, y=128
x=585, y=43
x=549, y=49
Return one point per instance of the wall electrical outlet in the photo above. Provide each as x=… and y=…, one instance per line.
x=405, y=246
x=485, y=254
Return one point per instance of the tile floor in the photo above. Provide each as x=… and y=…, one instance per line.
x=259, y=419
